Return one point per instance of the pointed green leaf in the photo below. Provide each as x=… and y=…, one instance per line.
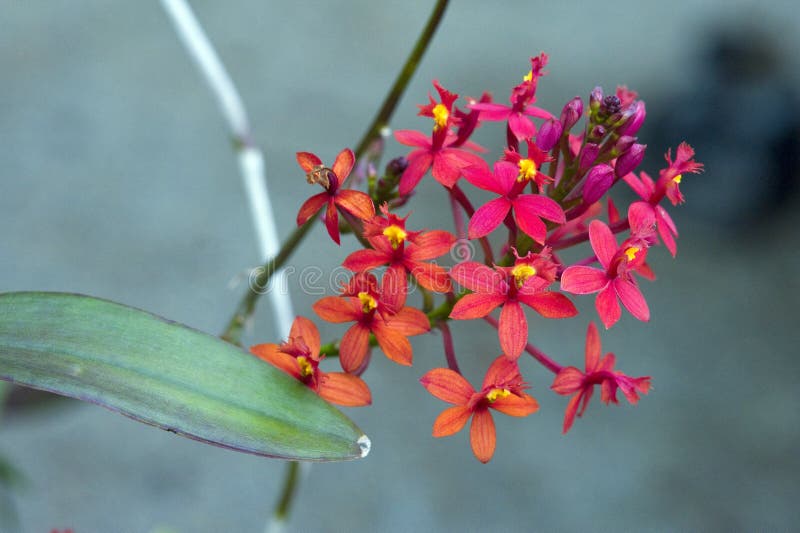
x=167, y=375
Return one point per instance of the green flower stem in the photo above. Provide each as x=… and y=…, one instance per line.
x=290, y=482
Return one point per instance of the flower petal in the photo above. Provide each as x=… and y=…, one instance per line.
x=482, y=178
x=549, y=304
x=531, y=225
x=593, y=348
x=513, y=405
x=344, y=389
x=521, y=125
x=357, y=203
x=303, y=327
x=487, y=217
x=607, y=306
x=393, y=343
x=448, y=386
x=491, y=111
x=513, y=329
x=482, y=435
x=412, y=138
x=568, y=381
x=446, y=170
x=505, y=175
x=583, y=280
x=451, y=421
x=343, y=164
x=394, y=288
x=572, y=409
x=477, y=277
x=419, y=161
x=308, y=161
x=332, y=221
x=431, y=276
x=338, y=309
x=353, y=347
x=501, y=372
x=476, y=306
x=272, y=355
x=409, y=321
x=603, y=242
x=632, y=298
x=540, y=205
x=311, y=207
x=430, y=245
x=362, y=260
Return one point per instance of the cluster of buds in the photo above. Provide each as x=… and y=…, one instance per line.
x=549, y=183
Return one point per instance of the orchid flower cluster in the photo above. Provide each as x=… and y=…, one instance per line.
x=549, y=183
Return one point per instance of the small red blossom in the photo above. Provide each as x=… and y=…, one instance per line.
x=667, y=185
x=299, y=357
x=439, y=151
x=522, y=96
x=362, y=302
x=509, y=286
x=599, y=371
x=614, y=280
x=529, y=166
x=405, y=252
x=354, y=202
x=502, y=390
x=509, y=181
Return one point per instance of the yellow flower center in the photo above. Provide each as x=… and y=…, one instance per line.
x=440, y=116
x=496, y=393
x=521, y=273
x=528, y=76
x=527, y=169
x=368, y=303
x=305, y=367
x=677, y=179
x=396, y=235
x=631, y=253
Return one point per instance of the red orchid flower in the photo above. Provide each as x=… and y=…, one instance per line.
x=667, y=185
x=508, y=180
x=362, y=302
x=614, y=279
x=503, y=390
x=354, y=202
x=528, y=167
x=437, y=151
x=509, y=286
x=299, y=357
x=601, y=372
x=522, y=96
x=405, y=252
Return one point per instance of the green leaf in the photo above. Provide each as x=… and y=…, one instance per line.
x=168, y=375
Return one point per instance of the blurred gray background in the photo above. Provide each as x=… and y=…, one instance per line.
x=117, y=179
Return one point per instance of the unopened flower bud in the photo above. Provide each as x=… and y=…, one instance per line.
x=623, y=144
x=631, y=159
x=595, y=99
x=635, y=121
x=397, y=166
x=596, y=133
x=549, y=134
x=610, y=105
x=588, y=155
x=598, y=181
x=571, y=113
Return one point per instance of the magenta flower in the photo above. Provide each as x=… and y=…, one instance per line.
x=601, y=372
x=437, y=151
x=522, y=96
x=667, y=185
x=509, y=180
x=509, y=286
x=614, y=279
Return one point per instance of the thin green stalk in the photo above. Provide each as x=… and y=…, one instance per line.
x=289, y=489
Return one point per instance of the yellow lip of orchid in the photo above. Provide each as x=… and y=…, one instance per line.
x=305, y=367
x=677, y=179
x=440, y=116
x=521, y=273
x=528, y=76
x=368, y=303
x=631, y=252
x=396, y=235
x=527, y=169
x=497, y=393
